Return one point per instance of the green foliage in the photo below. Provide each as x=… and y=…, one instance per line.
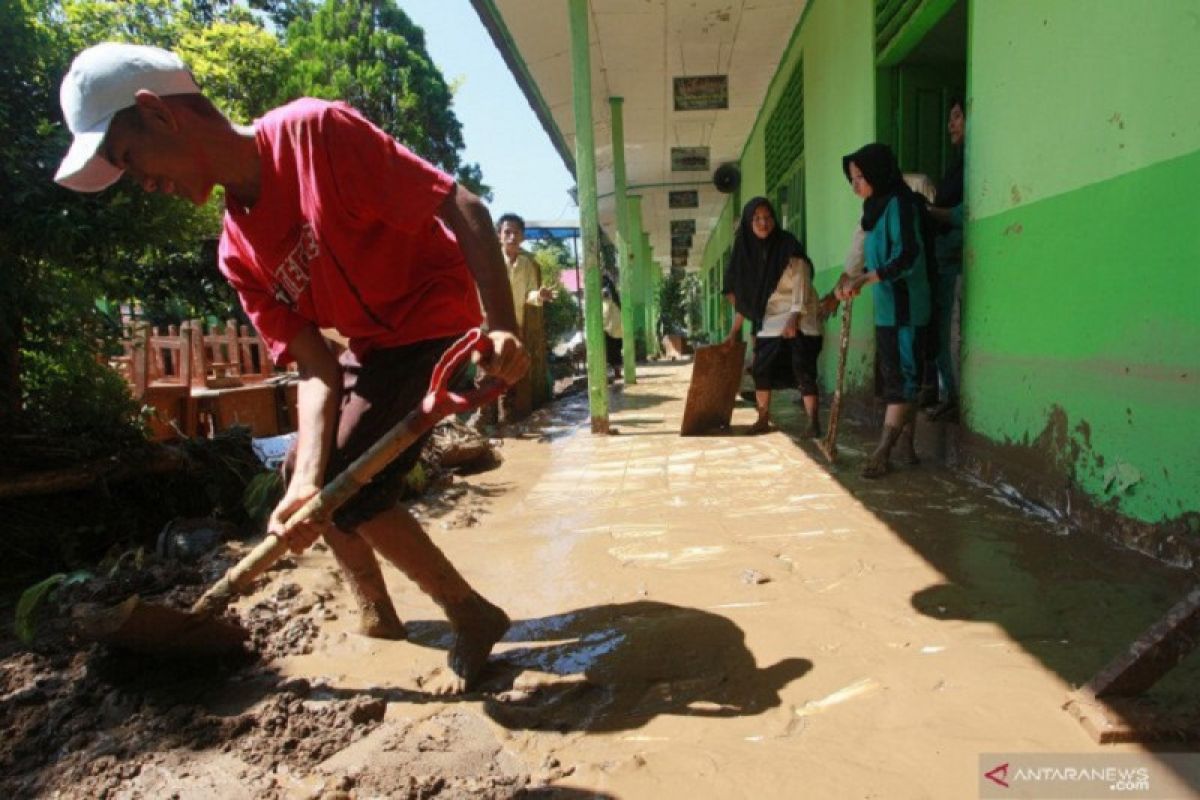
x=262, y=495
x=284, y=12
x=156, y=22
x=32, y=598
x=241, y=67
x=552, y=257
x=417, y=480
x=561, y=317
x=679, y=303
x=70, y=395
x=608, y=254
x=61, y=252
x=370, y=54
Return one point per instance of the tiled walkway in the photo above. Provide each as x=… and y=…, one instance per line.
x=725, y=617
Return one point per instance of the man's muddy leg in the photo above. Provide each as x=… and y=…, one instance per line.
x=377, y=615
x=477, y=624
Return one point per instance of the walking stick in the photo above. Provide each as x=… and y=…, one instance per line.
x=828, y=445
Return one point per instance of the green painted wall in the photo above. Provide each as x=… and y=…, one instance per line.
x=835, y=39
x=1132, y=101
x=1082, y=281
x=1082, y=243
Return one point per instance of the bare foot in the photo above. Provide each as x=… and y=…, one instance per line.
x=380, y=622
x=876, y=467
x=760, y=426
x=476, y=630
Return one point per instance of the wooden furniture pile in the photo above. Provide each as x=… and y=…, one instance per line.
x=199, y=381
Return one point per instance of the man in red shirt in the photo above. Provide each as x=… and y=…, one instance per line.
x=329, y=223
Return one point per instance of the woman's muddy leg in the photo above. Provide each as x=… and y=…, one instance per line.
x=812, y=407
x=906, y=448
x=879, y=462
x=762, y=404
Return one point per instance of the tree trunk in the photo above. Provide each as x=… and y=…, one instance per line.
x=112, y=469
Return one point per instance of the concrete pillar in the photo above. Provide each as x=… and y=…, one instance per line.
x=624, y=260
x=640, y=272
x=652, y=340
x=589, y=224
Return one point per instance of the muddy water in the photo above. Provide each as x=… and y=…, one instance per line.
x=725, y=616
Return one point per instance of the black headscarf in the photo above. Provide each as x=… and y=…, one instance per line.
x=878, y=165
x=608, y=283
x=756, y=265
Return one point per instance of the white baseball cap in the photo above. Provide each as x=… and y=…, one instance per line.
x=102, y=81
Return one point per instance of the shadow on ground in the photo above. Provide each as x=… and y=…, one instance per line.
x=616, y=667
x=1071, y=599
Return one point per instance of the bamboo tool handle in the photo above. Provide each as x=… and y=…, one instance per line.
x=437, y=403
x=319, y=508
x=829, y=445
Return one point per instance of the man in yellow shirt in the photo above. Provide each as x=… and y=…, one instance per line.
x=524, y=276
x=523, y=272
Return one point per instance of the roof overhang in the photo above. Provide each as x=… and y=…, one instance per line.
x=638, y=48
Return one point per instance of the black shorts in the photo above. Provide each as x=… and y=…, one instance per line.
x=900, y=352
x=612, y=351
x=781, y=363
x=376, y=394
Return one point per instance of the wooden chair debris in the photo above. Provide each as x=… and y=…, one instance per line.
x=158, y=368
x=201, y=382
x=216, y=354
x=1111, y=706
x=256, y=365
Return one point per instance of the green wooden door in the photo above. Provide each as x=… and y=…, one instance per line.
x=923, y=107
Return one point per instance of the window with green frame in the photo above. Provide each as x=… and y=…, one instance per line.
x=788, y=198
x=784, y=146
x=784, y=134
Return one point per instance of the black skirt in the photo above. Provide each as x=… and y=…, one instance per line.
x=781, y=363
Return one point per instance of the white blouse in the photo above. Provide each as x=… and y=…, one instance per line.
x=794, y=294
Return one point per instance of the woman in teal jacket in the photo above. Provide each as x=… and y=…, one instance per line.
x=896, y=251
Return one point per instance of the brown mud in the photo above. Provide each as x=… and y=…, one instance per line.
x=693, y=617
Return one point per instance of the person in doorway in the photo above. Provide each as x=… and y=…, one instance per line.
x=328, y=222
x=895, y=251
x=769, y=282
x=947, y=211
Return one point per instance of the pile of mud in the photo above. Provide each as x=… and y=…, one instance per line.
x=84, y=721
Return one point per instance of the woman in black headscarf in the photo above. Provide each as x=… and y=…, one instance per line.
x=769, y=282
x=896, y=250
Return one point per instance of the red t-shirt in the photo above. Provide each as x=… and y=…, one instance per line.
x=345, y=235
